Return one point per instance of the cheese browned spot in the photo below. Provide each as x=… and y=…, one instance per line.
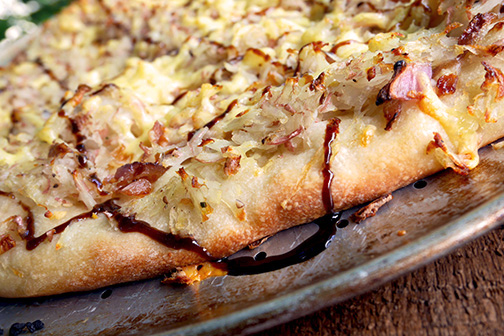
x=493, y=77
x=458, y=165
x=194, y=273
x=446, y=84
x=471, y=33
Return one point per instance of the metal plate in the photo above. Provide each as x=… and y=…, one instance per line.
x=448, y=212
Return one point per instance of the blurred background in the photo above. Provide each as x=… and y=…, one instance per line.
x=18, y=17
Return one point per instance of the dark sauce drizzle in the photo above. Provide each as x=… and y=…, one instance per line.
x=6, y=194
x=31, y=241
x=98, y=183
x=180, y=96
x=215, y=120
x=130, y=224
x=332, y=129
x=50, y=73
x=125, y=224
x=79, y=137
x=308, y=249
x=104, y=88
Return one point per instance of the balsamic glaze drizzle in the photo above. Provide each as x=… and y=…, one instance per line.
x=98, y=183
x=130, y=224
x=308, y=249
x=125, y=224
x=215, y=120
x=79, y=138
x=311, y=247
x=332, y=129
x=31, y=241
x=7, y=194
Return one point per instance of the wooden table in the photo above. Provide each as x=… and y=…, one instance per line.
x=460, y=294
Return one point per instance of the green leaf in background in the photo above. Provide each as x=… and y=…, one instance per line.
x=48, y=10
x=20, y=13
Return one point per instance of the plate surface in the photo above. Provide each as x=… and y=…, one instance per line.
x=435, y=216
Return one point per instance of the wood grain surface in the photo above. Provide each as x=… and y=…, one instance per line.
x=460, y=294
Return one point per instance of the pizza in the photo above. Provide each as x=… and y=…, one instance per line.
x=141, y=136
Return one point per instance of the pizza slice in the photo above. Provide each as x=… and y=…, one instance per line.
x=195, y=154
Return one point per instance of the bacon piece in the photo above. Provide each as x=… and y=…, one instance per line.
x=371, y=209
x=132, y=172
x=404, y=85
x=493, y=49
x=6, y=243
x=232, y=165
x=195, y=183
x=384, y=94
x=183, y=174
x=477, y=23
x=371, y=73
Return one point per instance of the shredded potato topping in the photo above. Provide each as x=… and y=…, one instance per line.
x=172, y=107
